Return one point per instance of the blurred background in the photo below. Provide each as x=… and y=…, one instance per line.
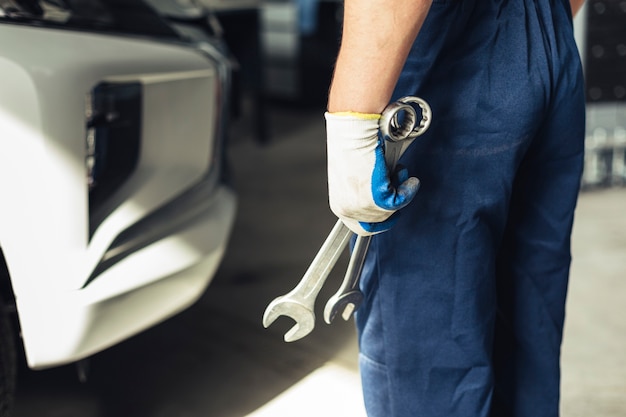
x=215, y=359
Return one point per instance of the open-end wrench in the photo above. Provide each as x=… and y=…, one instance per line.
x=399, y=127
x=349, y=297
x=299, y=303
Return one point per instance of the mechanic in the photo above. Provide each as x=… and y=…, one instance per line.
x=465, y=294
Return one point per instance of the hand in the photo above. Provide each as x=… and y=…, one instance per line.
x=360, y=187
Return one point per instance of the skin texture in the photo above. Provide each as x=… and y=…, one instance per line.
x=576, y=5
x=377, y=37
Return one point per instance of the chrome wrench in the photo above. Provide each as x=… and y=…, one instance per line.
x=349, y=297
x=299, y=303
x=398, y=134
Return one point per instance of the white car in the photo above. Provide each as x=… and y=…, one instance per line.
x=114, y=214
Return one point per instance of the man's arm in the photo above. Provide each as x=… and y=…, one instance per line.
x=377, y=37
x=576, y=5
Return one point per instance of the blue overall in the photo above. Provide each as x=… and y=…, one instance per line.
x=465, y=296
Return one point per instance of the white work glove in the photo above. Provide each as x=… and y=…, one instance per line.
x=362, y=192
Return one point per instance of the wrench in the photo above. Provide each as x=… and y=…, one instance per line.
x=398, y=136
x=349, y=297
x=299, y=303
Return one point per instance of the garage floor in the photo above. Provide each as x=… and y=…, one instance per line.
x=217, y=360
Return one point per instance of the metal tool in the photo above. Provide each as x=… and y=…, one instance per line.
x=399, y=134
x=299, y=303
x=349, y=297
x=399, y=125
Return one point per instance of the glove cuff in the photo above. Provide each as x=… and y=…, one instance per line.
x=351, y=126
x=357, y=115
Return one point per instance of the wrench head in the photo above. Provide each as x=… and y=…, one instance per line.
x=346, y=304
x=301, y=314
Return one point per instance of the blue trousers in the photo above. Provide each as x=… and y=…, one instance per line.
x=465, y=296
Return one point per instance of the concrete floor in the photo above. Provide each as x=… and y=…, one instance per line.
x=217, y=360
x=594, y=347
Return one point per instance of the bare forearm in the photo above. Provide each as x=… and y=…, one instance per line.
x=576, y=5
x=377, y=37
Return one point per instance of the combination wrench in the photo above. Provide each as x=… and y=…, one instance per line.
x=300, y=302
x=399, y=125
x=398, y=134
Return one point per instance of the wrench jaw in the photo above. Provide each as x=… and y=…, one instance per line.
x=301, y=314
x=346, y=303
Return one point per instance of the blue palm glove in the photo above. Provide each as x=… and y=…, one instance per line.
x=362, y=192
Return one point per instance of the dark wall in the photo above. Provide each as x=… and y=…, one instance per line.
x=605, y=52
